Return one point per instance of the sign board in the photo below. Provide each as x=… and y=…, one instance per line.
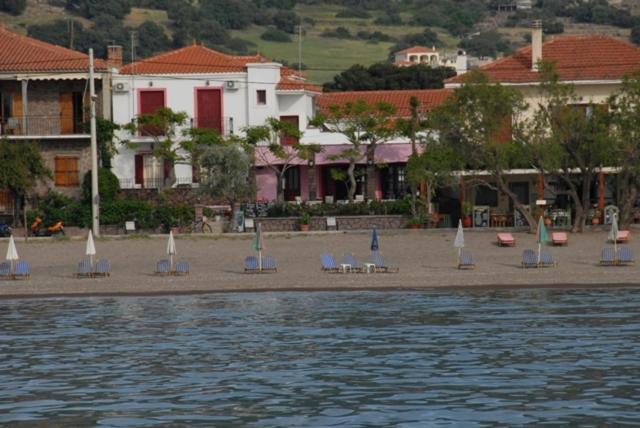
x=238, y=221
x=542, y=202
x=130, y=226
x=331, y=222
x=248, y=223
x=481, y=216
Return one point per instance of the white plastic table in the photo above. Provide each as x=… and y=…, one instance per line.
x=345, y=267
x=369, y=267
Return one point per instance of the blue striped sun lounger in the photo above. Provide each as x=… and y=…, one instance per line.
x=608, y=257
x=465, y=260
x=328, y=263
x=23, y=270
x=163, y=267
x=251, y=264
x=529, y=259
x=381, y=266
x=5, y=270
x=625, y=257
x=183, y=268
x=546, y=259
x=349, y=259
x=84, y=269
x=103, y=268
x=269, y=264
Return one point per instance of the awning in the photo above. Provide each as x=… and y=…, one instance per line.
x=385, y=153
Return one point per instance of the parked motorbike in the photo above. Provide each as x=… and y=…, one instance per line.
x=5, y=230
x=38, y=230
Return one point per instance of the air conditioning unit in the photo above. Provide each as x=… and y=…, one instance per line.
x=230, y=85
x=121, y=87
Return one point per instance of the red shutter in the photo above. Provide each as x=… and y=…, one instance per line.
x=151, y=101
x=139, y=164
x=286, y=140
x=209, y=109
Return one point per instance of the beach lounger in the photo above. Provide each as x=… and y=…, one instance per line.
x=269, y=264
x=23, y=270
x=163, y=267
x=103, y=268
x=623, y=236
x=377, y=259
x=465, y=261
x=328, y=263
x=608, y=257
x=506, y=240
x=84, y=269
x=5, y=270
x=529, y=259
x=625, y=257
x=182, y=268
x=251, y=264
x=546, y=259
x=349, y=259
x=559, y=238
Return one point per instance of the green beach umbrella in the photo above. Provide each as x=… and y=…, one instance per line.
x=258, y=244
x=613, y=233
x=541, y=236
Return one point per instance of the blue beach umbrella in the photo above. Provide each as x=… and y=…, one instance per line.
x=374, y=240
x=541, y=236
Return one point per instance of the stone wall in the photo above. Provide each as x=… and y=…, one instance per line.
x=287, y=224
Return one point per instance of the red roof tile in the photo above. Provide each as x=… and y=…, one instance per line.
x=429, y=98
x=25, y=54
x=291, y=80
x=414, y=50
x=576, y=58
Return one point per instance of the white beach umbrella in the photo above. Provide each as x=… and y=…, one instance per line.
x=12, y=253
x=91, y=248
x=171, y=248
x=613, y=233
x=459, y=241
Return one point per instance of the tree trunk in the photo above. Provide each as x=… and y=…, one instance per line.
x=584, y=202
x=504, y=188
x=280, y=187
x=351, y=173
x=630, y=194
x=371, y=182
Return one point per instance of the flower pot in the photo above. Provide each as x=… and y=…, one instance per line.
x=415, y=226
x=466, y=221
x=304, y=227
x=547, y=222
x=595, y=221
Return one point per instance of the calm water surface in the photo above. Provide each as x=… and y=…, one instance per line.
x=473, y=358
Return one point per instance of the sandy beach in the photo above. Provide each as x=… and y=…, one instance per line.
x=426, y=259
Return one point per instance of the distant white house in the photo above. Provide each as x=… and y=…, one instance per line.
x=430, y=56
x=218, y=91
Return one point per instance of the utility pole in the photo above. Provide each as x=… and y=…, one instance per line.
x=300, y=48
x=95, y=197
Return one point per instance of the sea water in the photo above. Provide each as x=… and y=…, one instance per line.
x=449, y=358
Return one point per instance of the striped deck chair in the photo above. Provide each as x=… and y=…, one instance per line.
x=608, y=257
x=5, y=270
x=251, y=264
x=625, y=257
x=559, y=238
x=546, y=259
x=349, y=259
x=529, y=259
x=506, y=240
x=163, y=267
x=269, y=264
x=328, y=263
x=183, y=268
x=377, y=259
x=23, y=270
x=103, y=268
x=465, y=261
x=84, y=269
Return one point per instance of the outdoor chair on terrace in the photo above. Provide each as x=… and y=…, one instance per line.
x=182, y=268
x=163, y=267
x=559, y=238
x=5, y=270
x=251, y=264
x=328, y=263
x=84, y=269
x=349, y=259
x=623, y=236
x=465, y=261
x=506, y=240
x=377, y=259
x=269, y=264
x=625, y=257
x=529, y=259
x=103, y=268
x=23, y=270
x=546, y=259
x=608, y=257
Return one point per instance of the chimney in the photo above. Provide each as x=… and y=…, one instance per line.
x=536, y=44
x=114, y=57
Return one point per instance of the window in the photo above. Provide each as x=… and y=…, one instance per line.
x=261, y=97
x=288, y=140
x=486, y=196
x=292, y=183
x=67, y=171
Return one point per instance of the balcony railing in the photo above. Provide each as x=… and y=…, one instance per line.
x=35, y=125
x=227, y=125
x=153, y=183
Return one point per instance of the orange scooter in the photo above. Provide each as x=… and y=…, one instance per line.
x=55, y=229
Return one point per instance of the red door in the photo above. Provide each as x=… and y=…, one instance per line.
x=286, y=140
x=151, y=100
x=139, y=169
x=209, y=109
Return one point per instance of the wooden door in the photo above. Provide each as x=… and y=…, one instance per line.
x=139, y=169
x=66, y=113
x=151, y=100
x=209, y=109
x=286, y=140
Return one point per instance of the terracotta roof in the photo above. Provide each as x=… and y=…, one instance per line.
x=415, y=50
x=429, y=98
x=191, y=59
x=291, y=80
x=25, y=54
x=576, y=58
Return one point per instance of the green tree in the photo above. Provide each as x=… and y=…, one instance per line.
x=13, y=7
x=479, y=122
x=21, y=168
x=366, y=126
x=279, y=158
x=225, y=174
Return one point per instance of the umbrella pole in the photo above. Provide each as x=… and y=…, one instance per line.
x=171, y=262
x=539, y=250
x=260, y=260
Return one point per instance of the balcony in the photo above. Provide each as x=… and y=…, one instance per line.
x=147, y=135
x=154, y=183
x=52, y=126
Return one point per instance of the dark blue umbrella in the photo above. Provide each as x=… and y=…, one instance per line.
x=374, y=240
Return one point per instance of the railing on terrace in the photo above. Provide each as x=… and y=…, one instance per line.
x=152, y=183
x=37, y=125
x=225, y=127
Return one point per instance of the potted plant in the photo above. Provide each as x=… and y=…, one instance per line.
x=414, y=222
x=467, y=210
x=305, y=220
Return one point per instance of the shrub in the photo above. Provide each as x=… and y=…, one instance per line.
x=389, y=19
x=275, y=35
x=119, y=211
x=353, y=12
x=171, y=215
x=338, y=33
x=54, y=207
x=108, y=185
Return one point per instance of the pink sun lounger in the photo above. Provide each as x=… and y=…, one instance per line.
x=624, y=236
x=506, y=240
x=559, y=238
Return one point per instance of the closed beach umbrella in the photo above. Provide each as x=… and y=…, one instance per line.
x=374, y=240
x=541, y=236
x=613, y=233
x=171, y=248
x=12, y=253
x=459, y=241
x=91, y=248
x=258, y=244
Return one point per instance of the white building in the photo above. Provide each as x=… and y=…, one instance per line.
x=430, y=56
x=215, y=90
